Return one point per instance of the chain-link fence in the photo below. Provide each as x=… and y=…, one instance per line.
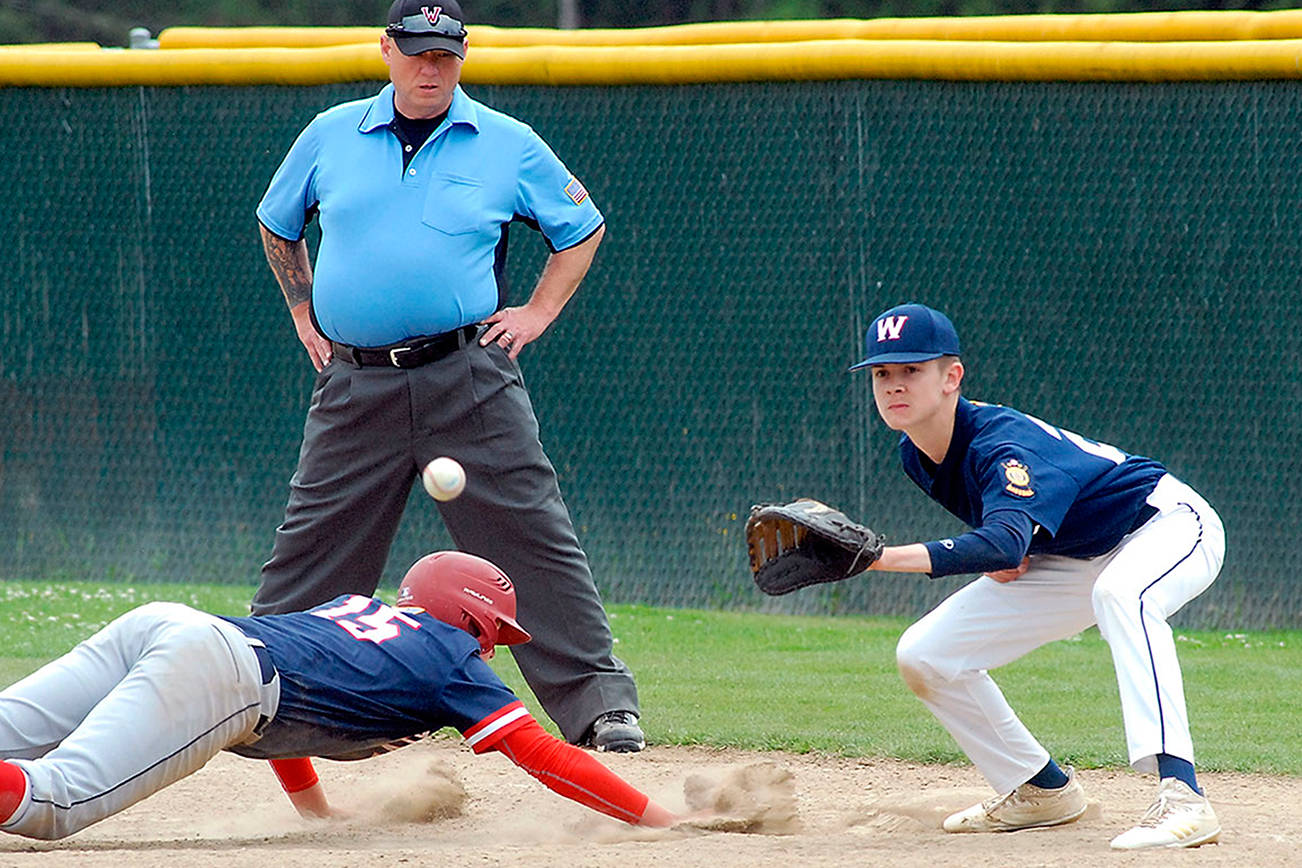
x=1119, y=258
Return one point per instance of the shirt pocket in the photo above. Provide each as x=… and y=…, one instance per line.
x=454, y=204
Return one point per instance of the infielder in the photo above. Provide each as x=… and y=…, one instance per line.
x=1068, y=533
x=346, y=680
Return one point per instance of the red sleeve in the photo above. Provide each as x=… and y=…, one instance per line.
x=295, y=775
x=483, y=736
x=572, y=772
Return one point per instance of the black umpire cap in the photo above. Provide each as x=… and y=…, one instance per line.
x=419, y=25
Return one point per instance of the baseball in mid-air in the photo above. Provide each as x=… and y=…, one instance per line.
x=444, y=478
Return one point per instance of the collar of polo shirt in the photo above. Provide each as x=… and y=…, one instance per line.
x=379, y=114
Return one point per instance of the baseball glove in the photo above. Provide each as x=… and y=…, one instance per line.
x=806, y=542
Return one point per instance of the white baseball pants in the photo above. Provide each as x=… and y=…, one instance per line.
x=138, y=706
x=1129, y=592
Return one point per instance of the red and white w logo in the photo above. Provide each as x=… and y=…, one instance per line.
x=432, y=13
x=888, y=327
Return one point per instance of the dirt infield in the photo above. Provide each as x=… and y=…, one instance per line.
x=436, y=803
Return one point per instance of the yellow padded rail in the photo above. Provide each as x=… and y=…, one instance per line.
x=1192, y=26
x=234, y=66
x=53, y=46
x=285, y=37
x=680, y=64
x=891, y=59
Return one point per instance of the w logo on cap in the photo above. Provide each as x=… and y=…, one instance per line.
x=432, y=13
x=930, y=336
x=889, y=327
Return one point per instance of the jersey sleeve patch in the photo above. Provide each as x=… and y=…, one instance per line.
x=576, y=191
x=1017, y=478
x=491, y=729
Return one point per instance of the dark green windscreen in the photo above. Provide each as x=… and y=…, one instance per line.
x=1120, y=259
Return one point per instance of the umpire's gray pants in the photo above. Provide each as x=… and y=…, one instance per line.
x=368, y=432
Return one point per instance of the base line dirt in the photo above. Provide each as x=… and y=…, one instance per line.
x=435, y=803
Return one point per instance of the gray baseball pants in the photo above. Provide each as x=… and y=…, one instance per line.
x=368, y=432
x=136, y=707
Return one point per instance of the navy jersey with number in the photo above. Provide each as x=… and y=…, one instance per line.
x=358, y=677
x=1082, y=496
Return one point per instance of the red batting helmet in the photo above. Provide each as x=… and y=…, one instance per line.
x=467, y=592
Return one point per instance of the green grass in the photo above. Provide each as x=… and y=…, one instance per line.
x=822, y=684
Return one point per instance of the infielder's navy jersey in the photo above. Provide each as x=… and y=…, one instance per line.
x=358, y=677
x=1082, y=496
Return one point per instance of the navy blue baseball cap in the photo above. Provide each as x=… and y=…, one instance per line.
x=909, y=333
x=417, y=26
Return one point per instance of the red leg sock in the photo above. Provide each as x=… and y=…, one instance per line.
x=13, y=785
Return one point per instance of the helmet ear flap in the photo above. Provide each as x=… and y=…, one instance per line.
x=487, y=637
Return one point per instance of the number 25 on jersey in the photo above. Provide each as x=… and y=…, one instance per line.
x=378, y=626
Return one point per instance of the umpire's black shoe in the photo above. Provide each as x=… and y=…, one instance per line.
x=617, y=732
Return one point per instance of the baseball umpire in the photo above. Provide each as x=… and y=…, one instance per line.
x=1067, y=532
x=346, y=680
x=405, y=315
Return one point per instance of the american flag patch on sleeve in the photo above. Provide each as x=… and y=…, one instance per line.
x=575, y=191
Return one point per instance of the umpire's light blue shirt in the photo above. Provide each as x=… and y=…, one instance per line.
x=418, y=252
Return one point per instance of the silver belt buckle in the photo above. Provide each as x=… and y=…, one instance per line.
x=393, y=355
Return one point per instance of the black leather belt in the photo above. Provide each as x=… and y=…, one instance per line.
x=408, y=354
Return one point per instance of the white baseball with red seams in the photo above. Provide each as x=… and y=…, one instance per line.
x=444, y=478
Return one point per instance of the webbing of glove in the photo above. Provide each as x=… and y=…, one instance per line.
x=806, y=542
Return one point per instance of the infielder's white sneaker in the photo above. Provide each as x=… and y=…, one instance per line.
x=1027, y=807
x=1179, y=818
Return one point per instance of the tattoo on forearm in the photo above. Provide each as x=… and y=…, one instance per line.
x=288, y=261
